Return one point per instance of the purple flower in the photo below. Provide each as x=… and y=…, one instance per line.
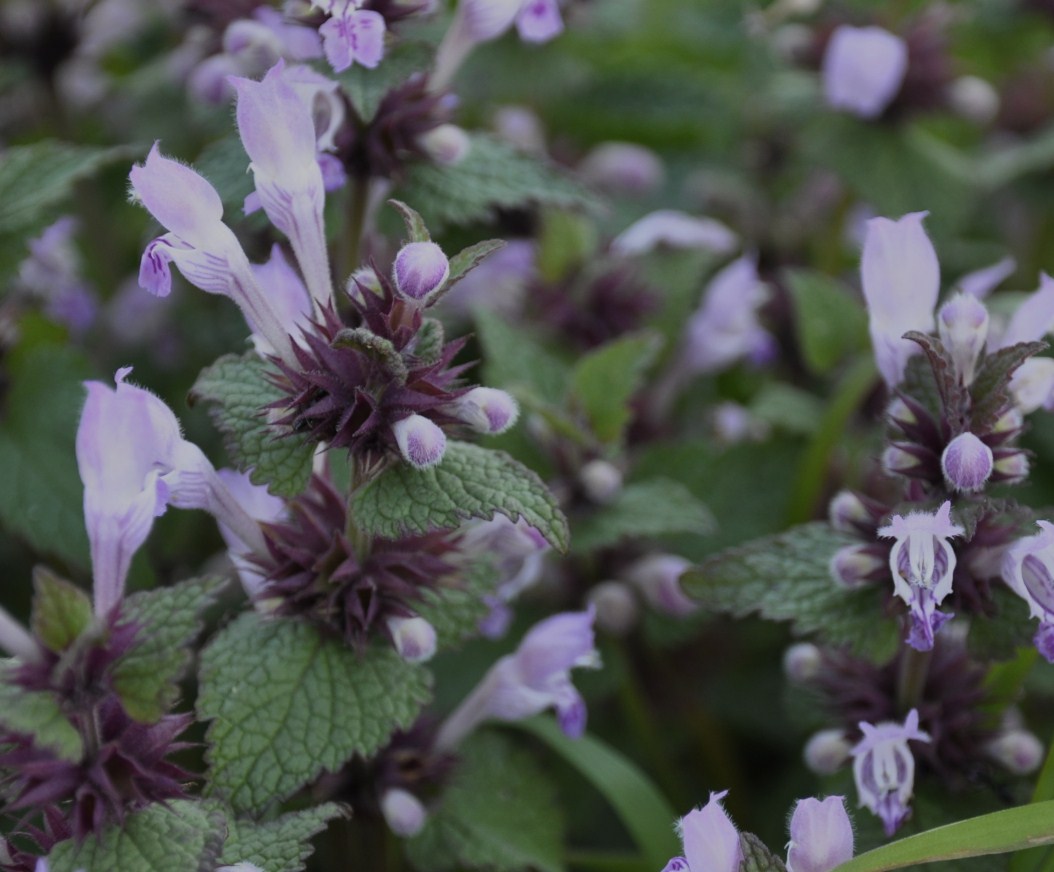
x=863, y=69
x=1028, y=569
x=673, y=229
x=709, y=838
x=539, y=21
x=134, y=463
x=901, y=280
x=260, y=505
x=421, y=442
x=199, y=243
x=52, y=272
x=981, y=282
x=821, y=835
x=967, y=463
x=658, y=578
x=725, y=327
x=353, y=35
x=278, y=132
x=623, y=168
x=487, y=410
x=535, y=677
x=884, y=768
x=288, y=297
x=922, y=563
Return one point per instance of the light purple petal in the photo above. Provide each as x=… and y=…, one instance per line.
x=711, y=840
x=668, y=227
x=354, y=36
x=483, y=20
x=551, y=648
x=967, y=463
x=288, y=297
x=420, y=270
x=421, y=442
x=178, y=197
x=1033, y=319
x=980, y=283
x=821, y=835
x=539, y=21
x=863, y=69
x=901, y=280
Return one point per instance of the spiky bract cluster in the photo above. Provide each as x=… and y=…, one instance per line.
x=355, y=380
x=313, y=568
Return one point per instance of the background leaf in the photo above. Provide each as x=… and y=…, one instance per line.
x=283, y=844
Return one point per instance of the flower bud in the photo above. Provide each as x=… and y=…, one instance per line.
x=414, y=638
x=826, y=751
x=657, y=577
x=801, y=662
x=487, y=410
x=1011, y=468
x=420, y=270
x=846, y=511
x=854, y=566
x=1009, y=421
x=622, y=168
x=966, y=463
x=616, y=607
x=601, y=481
x=900, y=459
x=963, y=327
x=403, y=812
x=421, y=442
x=1019, y=751
x=974, y=99
x=446, y=144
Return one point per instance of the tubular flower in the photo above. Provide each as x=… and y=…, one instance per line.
x=922, y=563
x=901, y=280
x=884, y=768
x=1028, y=569
x=709, y=838
x=533, y=678
x=199, y=243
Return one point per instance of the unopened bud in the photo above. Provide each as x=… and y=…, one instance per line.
x=601, y=481
x=899, y=413
x=446, y=144
x=855, y=566
x=1011, y=468
x=801, y=662
x=963, y=327
x=658, y=578
x=898, y=460
x=257, y=43
x=521, y=128
x=403, y=812
x=846, y=511
x=974, y=99
x=414, y=638
x=616, y=607
x=826, y=751
x=1019, y=751
x=1009, y=421
x=622, y=168
x=487, y=410
x=420, y=270
x=421, y=442
x=967, y=463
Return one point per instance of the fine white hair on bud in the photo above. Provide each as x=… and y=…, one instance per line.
x=403, y=812
x=802, y=662
x=601, y=481
x=414, y=638
x=420, y=270
x=487, y=410
x=421, y=442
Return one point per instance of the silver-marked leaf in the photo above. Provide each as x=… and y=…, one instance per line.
x=283, y=844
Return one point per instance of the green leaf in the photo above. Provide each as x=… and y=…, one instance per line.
x=368, y=343
x=61, y=610
x=786, y=578
x=605, y=380
x=643, y=810
x=499, y=813
x=757, y=857
x=517, y=362
x=829, y=322
x=42, y=496
x=366, y=88
x=283, y=844
x=38, y=714
x=34, y=178
x=471, y=482
x=415, y=224
x=1013, y=829
x=169, y=620
x=237, y=389
x=288, y=704
x=655, y=507
x=788, y=408
x=493, y=175
x=466, y=260
x=456, y=610
x=990, y=389
x=428, y=344
x=180, y=836
x=567, y=240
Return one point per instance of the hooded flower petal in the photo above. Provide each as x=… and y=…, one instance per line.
x=1033, y=319
x=821, y=835
x=901, y=280
x=278, y=132
x=353, y=36
x=539, y=21
x=863, y=69
x=710, y=839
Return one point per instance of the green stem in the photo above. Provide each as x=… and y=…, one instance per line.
x=358, y=204
x=911, y=680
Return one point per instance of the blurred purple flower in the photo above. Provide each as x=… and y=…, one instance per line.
x=884, y=768
x=1028, y=569
x=863, y=69
x=673, y=229
x=353, y=35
